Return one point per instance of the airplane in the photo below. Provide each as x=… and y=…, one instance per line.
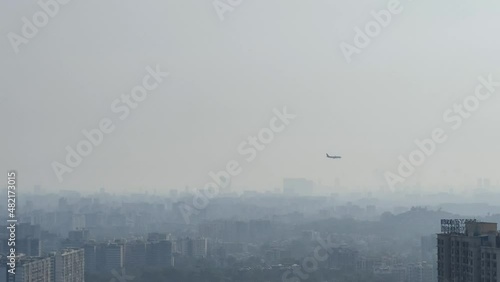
x=333, y=157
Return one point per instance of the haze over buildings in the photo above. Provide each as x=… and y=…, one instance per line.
x=225, y=79
x=236, y=140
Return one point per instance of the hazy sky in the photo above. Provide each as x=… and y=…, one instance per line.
x=227, y=76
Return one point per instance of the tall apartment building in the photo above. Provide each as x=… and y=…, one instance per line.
x=64, y=266
x=69, y=265
x=113, y=257
x=160, y=254
x=468, y=251
x=28, y=269
x=104, y=257
x=135, y=254
x=91, y=251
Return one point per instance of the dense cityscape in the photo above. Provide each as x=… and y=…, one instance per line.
x=286, y=235
x=249, y=141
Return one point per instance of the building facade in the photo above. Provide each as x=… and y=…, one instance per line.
x=468, y=251
x=69, y=265
x=65, y=266
x=28, y=269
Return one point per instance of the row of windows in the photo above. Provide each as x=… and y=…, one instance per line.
x=488, y=256
x=488, y=264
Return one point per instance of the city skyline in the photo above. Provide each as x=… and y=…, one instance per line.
x=371, y=118
x=243, y=141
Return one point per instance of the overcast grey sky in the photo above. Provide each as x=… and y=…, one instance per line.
x=227, y=76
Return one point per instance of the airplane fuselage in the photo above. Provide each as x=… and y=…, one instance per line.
x=333, y=157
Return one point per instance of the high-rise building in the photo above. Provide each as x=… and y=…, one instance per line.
x=468, y=251
x=64, y=266
x=28, y=269
x=135, y=254
x=90, y=258
x=113, y=256
x=69, y=265
x=104, y=257
x=160, y=254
